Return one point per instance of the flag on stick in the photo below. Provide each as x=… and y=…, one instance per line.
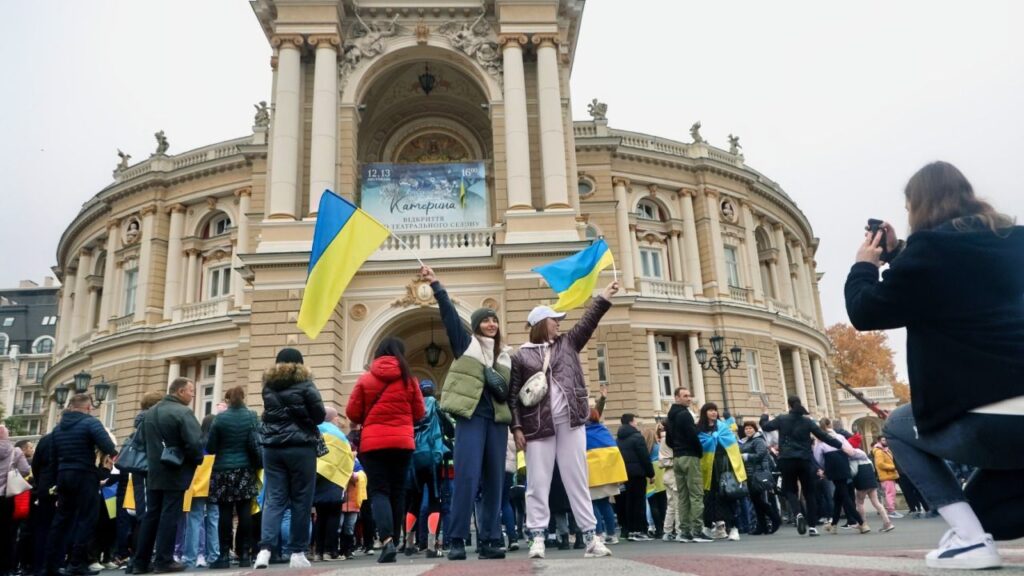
x=575, y=277
x=344, y=238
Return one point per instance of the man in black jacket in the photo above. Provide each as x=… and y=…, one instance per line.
x=74, y=443
x=170, y=424
x=44, y=474
x=681, y=435
x=638, y=469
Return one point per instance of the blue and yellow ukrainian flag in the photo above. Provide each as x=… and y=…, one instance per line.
x=110, y=499
x=709, y=442
x=604, y=461
x=344, y=238
x=337, y=465
x=575, y=277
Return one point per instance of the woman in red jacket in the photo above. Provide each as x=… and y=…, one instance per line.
x=386, y=402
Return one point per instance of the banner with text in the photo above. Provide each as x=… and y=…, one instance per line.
x=412, y=197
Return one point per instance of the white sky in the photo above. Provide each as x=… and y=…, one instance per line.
x=838, y=102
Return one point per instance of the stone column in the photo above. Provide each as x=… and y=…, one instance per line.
x=802, y=294
x=324, y=142
x=693, y=274
x=677, y=261
x=652, y=359
x=241, y=242
x=67, y=311
x=634, y=247
x=218, y=379
x=717, y=246
x=552, y=133
x=81, y=293
x=782, y=375
x=626, y=255
x=798, y=375
x=517, y=139
x=696, y=372
x=145, y=263
x=173, y=370
x=286, y=128
x=90, y=312
x=753, y=267
x=819, y=386
x=109, y=271
x=785, y=284
x=190, y=276
x=172, y=282
x=773, y=276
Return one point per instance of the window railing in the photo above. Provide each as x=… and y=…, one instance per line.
x=202, y=310
x=29, y=409
x=739, y=294
x=665, y=289
x=439, y=244
x=121, y=324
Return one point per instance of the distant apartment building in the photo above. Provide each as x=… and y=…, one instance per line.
x=28, y=322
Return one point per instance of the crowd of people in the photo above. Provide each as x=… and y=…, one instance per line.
x=513, y=447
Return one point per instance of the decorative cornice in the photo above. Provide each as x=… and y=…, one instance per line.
x=328, y=40
x=286, y=41
x=546, y=40
x=510, y=40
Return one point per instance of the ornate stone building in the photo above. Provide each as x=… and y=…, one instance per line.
x=194, y=264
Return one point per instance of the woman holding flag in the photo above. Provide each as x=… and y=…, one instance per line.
x=475, y=392
x=552, y=430
x=721, y=456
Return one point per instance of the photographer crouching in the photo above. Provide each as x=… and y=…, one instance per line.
x=957, y=286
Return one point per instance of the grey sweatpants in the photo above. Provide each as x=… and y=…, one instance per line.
x=569, y=448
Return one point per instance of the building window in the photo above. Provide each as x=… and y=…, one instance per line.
x=666, y=366
x=219, y=225
x=3, y=345
x=602, y=364
x=9, y=321
x=650, y=263
x=220, y=282
x=31, y=402
x=131, y=281
x=33, y=427
x=585, y=187
x=204, y=388
x=592, y=232
x=110, y=408
x=753, y=371
x=48, y=321
x=43, y=345
x=732, y=267
x=648, y=210
x=36, y=371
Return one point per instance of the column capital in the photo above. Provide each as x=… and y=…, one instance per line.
x=147, y=210
x=85, y=252
x=546, y=40
x=246, y=191
x=687, y=192
x=620, y=181
x=113, y=223
x=512, y=40
x=192, y=251
x=286, y=41
x=711, y=193
x=175, y=208
x=324, y=40
x=273, y=62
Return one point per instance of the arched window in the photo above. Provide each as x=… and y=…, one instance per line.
x=218, y=225
x=43, y=345
x=764, y=246
x=4, y=341
x=649, y=210
x=585, y=187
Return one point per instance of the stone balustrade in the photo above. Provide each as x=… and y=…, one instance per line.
x=439, y=244
x=665, y=289
x=202, y=310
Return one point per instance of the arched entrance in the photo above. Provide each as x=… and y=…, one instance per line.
x=870, y=428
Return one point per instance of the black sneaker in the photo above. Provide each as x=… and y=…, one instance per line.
x=168, y=568
x=801, y=524
x=488, y=551
x=388, y=554
x=458, y=550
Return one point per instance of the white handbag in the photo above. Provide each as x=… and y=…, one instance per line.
x=16, y=484
x=536, y=386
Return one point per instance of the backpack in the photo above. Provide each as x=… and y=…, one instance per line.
x=429, y=441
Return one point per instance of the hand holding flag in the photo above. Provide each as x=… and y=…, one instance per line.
x=575, y=277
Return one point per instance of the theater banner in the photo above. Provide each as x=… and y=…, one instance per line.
x=412, y=197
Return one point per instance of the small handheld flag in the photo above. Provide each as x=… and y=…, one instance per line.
x=575, y=277
x=344, y=238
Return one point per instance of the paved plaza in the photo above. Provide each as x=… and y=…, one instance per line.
x=898, y=552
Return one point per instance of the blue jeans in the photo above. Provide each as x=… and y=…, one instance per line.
x=480, y=445
x=202, y=518
x=986, y=441
x=508, y=516
x=605, y=517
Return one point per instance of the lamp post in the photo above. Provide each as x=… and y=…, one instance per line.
x=433, y=351
x=719, y=362
x=81, y=385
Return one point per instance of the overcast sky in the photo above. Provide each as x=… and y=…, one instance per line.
x=838, y=102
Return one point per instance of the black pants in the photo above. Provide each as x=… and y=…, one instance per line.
x=659, y=507
x=799, y=470
x=224, y=524
x=367, y=529
x=328, y=519
x=41, y=517
x=7, y=533
x=290, y=473
x=159, y=527
x=765, y=510
x=386, y=474
x=914, y=500
x=634, y=506
x=73, y=527
x=843, y=500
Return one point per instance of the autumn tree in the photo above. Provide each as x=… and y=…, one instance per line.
x=864, y=359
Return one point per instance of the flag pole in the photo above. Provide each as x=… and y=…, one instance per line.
x=406, y=246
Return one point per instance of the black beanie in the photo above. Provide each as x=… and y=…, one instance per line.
x=479, y=315
x=289, y=356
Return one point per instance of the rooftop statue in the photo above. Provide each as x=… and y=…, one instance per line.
x=597, y=110
x=161, y=143
x=734, y=145
x=123, y=164
x=695, y=133
x=262, y=118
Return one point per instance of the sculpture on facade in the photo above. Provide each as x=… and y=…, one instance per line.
x=367, y=41
x=597, y=110
x=734, y=145
x=695, y=133
x=123, y=164
x=476, y=40
x=262, y=118
x=161, y=143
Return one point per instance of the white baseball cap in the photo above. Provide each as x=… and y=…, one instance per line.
x=541, y=313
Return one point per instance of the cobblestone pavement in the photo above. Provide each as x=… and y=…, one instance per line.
x=847, y=554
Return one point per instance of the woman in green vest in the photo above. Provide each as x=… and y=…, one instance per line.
x=475, y=393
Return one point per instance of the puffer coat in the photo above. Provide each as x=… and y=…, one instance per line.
x=292, y=407
x=386, y=406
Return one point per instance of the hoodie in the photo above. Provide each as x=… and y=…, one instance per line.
x=681, y=432
x=386, y=406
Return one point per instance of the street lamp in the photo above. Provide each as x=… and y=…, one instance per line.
x=719, y=362
x=433, y=351
x=427, y=80
x=81, y=385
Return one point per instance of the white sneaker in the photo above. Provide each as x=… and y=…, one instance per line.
x=612, y=540
x=734, y=534
x=298, y=560
x=812, y=531
x=596, y=549
x=895, y=514
x=955, y=552
x=262, y=559
x=668, y=537
x=537, y=547
x=719, y=532
x=683, y=538
x=96, y=566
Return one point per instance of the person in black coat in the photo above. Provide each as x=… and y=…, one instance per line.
x=638, y=469
x=957, y=286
